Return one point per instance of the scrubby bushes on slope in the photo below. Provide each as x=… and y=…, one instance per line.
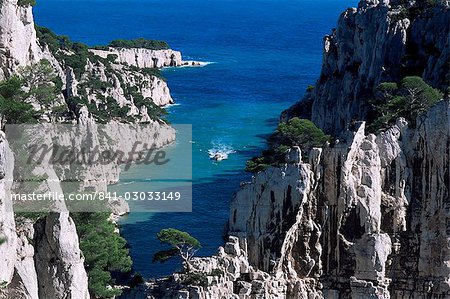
x=409, y=99
x=26, y=3
x=36, y=84
x=76, y=56
x=104, y=252
x=137, y=43
x=295, y=132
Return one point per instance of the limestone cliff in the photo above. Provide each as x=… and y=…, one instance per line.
x=146, y=58
x=380, y=41
x=18, y=44
x=43, y=259
x=105, y=79
x=367, y=216
x=40, y=260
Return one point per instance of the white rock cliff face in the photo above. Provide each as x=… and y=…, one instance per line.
x=371, y=44
x=368, y=217
x=143, y=58
x=43, y=259
x=152, y=88
x=146, y=58
x=18, y=44
x=7, y=223
x=59, y=259
x=20, y=277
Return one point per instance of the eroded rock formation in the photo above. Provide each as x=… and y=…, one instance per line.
x=368, y=216
x=43, y=259
x=143, y=58
x=374, y=43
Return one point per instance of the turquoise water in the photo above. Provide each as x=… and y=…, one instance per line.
x=264, y=55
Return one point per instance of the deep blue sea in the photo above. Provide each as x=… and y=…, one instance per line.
x=264, y=53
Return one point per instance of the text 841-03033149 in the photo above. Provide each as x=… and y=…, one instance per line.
x=155, y=196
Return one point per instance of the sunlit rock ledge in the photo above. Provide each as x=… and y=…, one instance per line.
x=146, y=58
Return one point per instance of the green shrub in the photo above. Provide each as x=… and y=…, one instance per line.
x=26, y=2
x=112, y=57
x=301, y=132
x=258, y=164
x=13, y=108
x=295, y=132
x=137, y=43
x=80, y=52
x=154, y=111
x=104, y=251
x=108, y=109
x=43, y=86
x=78, y=60
x=180, y=244
x=196, y=279
x=411, y=98
x=11, y=88
x=42, y=82
x=53, y=41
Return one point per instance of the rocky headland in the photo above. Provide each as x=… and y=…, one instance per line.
x=145, y=58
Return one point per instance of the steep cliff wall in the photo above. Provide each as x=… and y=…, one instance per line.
x=368, y=216
x=377, y=42
x=43, y=259
x=145, y=58
x=375, y=217
x=116, y=81
x=18, y=44
x=34, y=257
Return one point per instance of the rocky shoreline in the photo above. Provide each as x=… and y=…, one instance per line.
x=145, y=58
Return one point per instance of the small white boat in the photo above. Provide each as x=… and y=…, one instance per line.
x=220, y=152
x=218, y=156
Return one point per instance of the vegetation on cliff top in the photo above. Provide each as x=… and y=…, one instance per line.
x=76, y=55
x=408, y=99
x=73, y=54
x=36, y=85
x=295, y=132
x=136, y=43
x=26, y=3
